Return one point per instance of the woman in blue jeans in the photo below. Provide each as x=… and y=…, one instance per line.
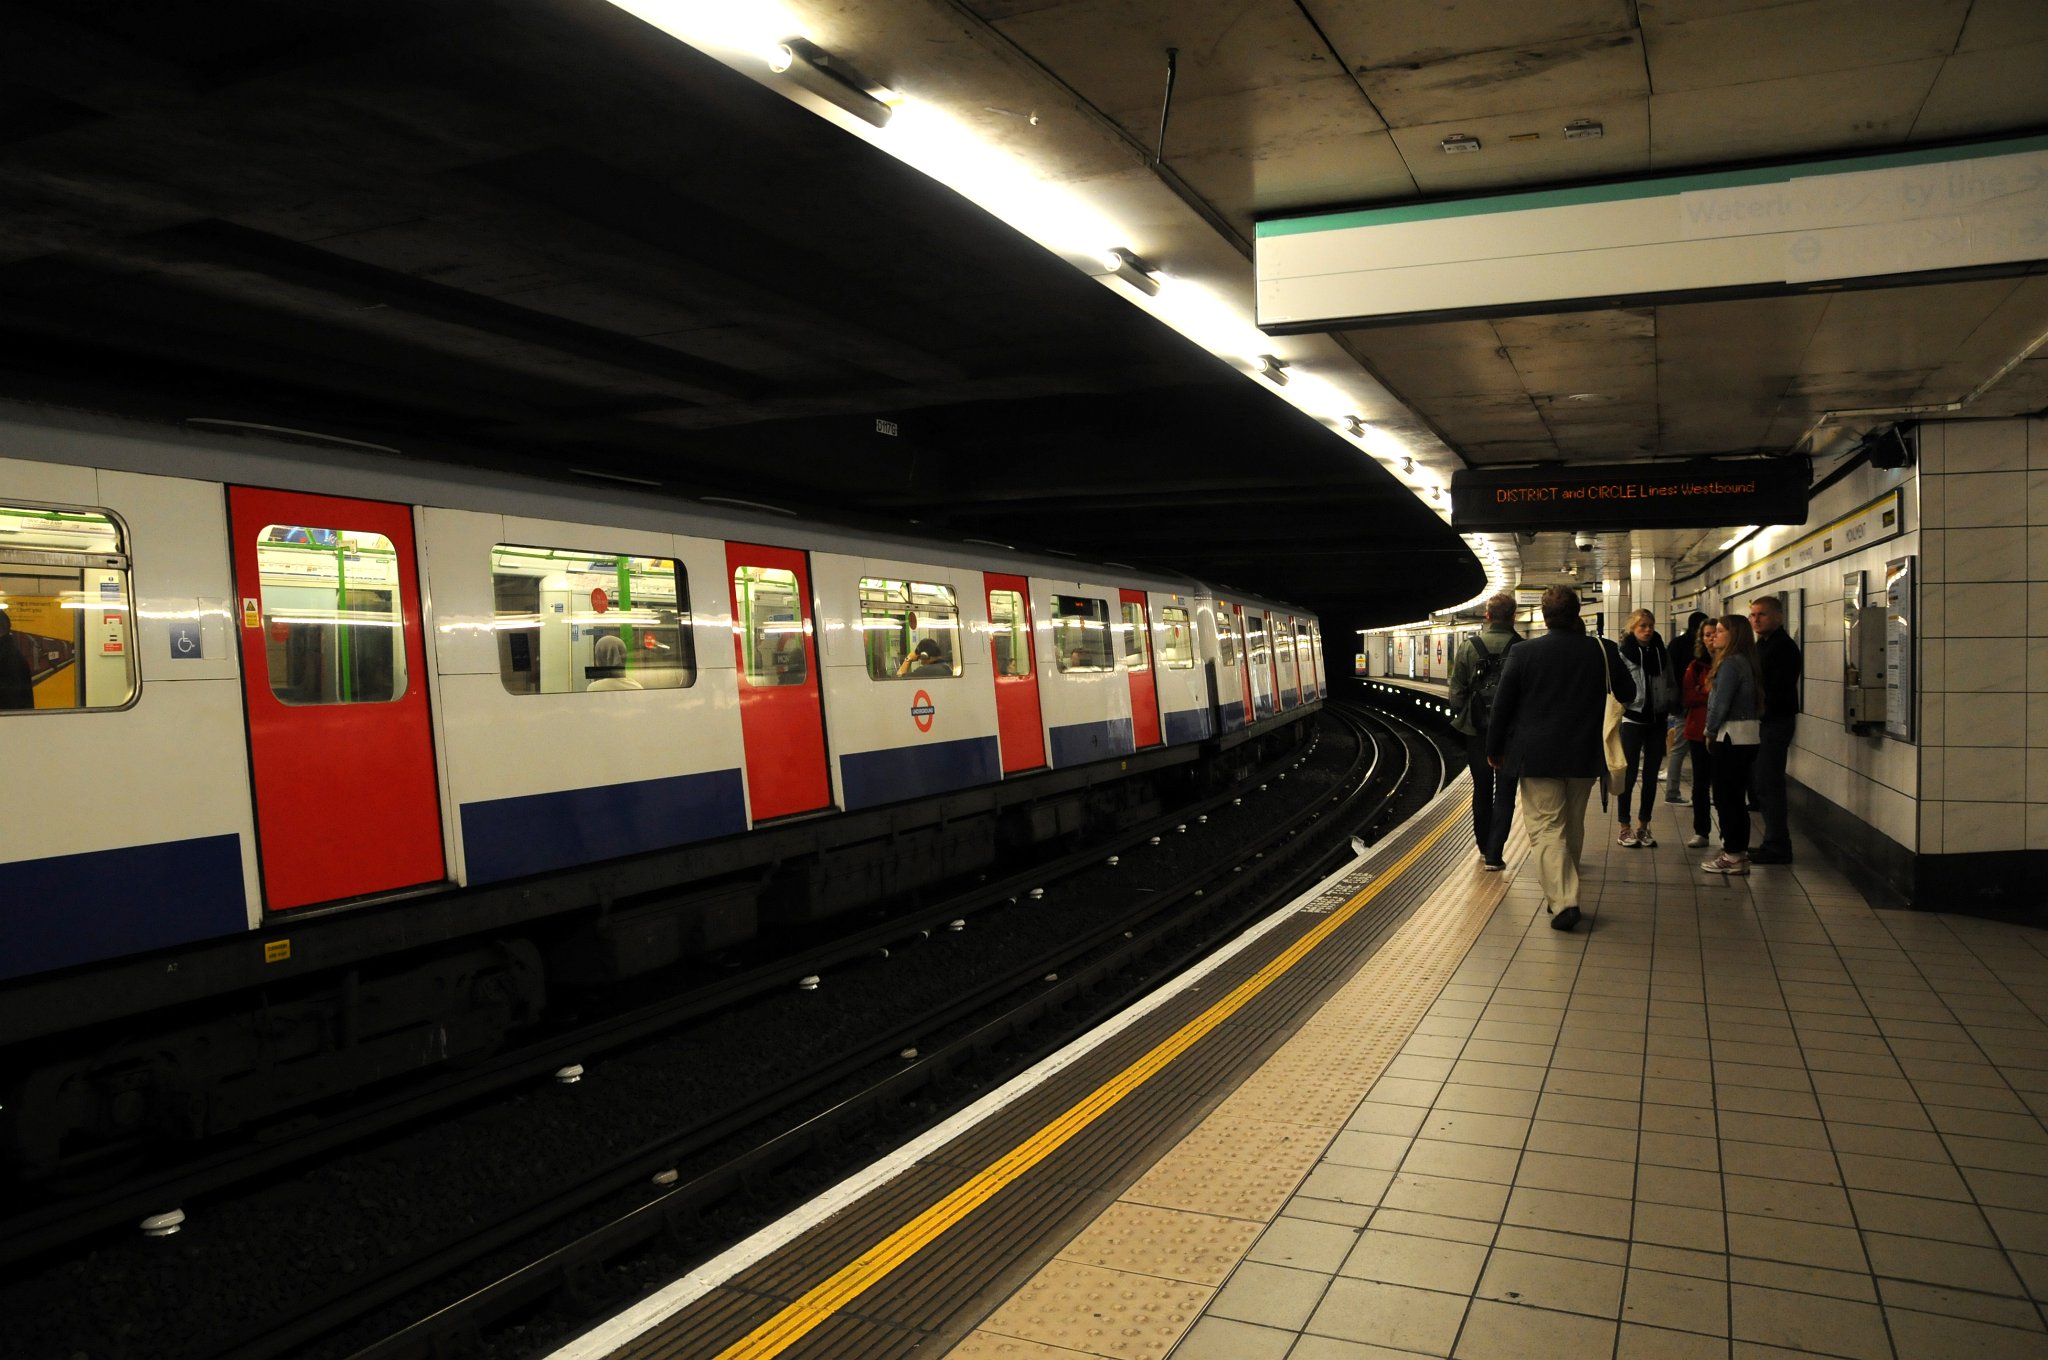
x=1642, y=723
x=1734, y=705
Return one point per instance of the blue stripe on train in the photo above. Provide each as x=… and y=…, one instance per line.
x=1232, y=712
x=508, y=837
x=71, y=909
x=1079, y=743
x=1186, y=724
x=887, y=776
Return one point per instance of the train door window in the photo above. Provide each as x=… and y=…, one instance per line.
x=1226, y=636
x=333, y=625
x=1010, y=632
x=1080, y=634
x=909, y=629
x=1255, y=637
x=771, y=626
x=1134, y=638
x=1176, y=639
x=573, y=622
x=66, y=640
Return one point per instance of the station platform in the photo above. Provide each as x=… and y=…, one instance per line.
x=1733, y=1117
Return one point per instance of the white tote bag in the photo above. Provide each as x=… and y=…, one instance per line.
x=1610, y=728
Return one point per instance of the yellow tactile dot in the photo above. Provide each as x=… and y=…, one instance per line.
x=1175, y=1245
x=988, y=1346
x=1100, y=1312
x=1237, y=1163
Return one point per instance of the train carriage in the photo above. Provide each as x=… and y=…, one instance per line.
x=1186, y=712
x=553, y=759
x=910, y=701
x=382, y=735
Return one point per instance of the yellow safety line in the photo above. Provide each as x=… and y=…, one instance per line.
x=817, y=1306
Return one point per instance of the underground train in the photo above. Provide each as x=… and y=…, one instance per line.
x=342, y=733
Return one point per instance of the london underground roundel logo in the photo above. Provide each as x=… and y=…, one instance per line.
x=922, y=711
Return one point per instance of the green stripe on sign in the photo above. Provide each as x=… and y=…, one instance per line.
x=1638, y=188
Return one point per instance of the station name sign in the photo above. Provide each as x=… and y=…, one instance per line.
x=1630, y=496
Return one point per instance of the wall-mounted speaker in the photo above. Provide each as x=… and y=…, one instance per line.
x=1891, y=448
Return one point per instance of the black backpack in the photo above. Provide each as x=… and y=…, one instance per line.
x=1485, y=680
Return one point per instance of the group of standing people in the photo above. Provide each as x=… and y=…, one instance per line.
x=1533, y=711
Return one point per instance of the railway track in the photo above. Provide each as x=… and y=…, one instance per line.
x=447, y=1287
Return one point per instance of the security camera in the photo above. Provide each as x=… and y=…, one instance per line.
x=1582, y=541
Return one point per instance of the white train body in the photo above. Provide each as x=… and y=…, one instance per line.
x=299, y=681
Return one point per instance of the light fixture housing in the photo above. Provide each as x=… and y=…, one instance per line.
x=1127, y=266
x=1354, y=426
x=1583, y=129
x=829, y=78
x=1407, y=465
x=1273, y=369
x=1459, y=144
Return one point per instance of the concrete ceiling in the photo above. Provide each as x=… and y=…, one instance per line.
x=537, y=232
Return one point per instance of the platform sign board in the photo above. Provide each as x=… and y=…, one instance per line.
x=1890, y=217
x=1623, y=496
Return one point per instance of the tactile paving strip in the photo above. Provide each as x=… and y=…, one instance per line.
x=1314, y=1083
x=881, y=1280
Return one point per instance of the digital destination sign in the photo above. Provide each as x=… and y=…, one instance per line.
x=1622, y=496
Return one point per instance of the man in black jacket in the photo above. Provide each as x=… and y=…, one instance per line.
x=1545, y=732
x=1493, y=793
x=1779, y=656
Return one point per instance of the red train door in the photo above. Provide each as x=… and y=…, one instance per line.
x=782, y=718
x=1244, y=665
x=1019, y=725
x=334, y=674
x=1138, y=667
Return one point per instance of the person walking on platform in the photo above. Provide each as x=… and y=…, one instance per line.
x=1778, y=656
x=1475, y=678
x=1545, y=732
x=1732, y=732
x=1682, y=656
x=1642, y=724
x=1693, y=693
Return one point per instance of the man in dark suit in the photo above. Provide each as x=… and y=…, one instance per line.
x=1545, y=733
x=1778, y=654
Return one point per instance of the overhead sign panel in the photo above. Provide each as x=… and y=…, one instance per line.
x=1630, y=496
x=1783, y=227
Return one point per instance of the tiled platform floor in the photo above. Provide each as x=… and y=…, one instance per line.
x=1728, y=1117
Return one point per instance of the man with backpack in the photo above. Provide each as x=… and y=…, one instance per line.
x=1475, y=675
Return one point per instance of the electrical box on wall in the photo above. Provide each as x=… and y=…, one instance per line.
x=1863, y=659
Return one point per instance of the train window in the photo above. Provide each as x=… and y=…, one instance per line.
x=1080, y=634
x=771, y=626
x=1283, y=643
x=1255, y=638
x=65, y=637
x=333, y=625
x=1226, y=637
x=1176, y=639
x=1135, y=641
x=572, y=622
x=909, y=629
x=1009, y=632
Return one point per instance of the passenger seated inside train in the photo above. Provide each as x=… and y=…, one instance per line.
x=928, y=659
x=609, y=668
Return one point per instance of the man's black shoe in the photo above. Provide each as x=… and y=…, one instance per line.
x=1565, y=919
x=1764, y=855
